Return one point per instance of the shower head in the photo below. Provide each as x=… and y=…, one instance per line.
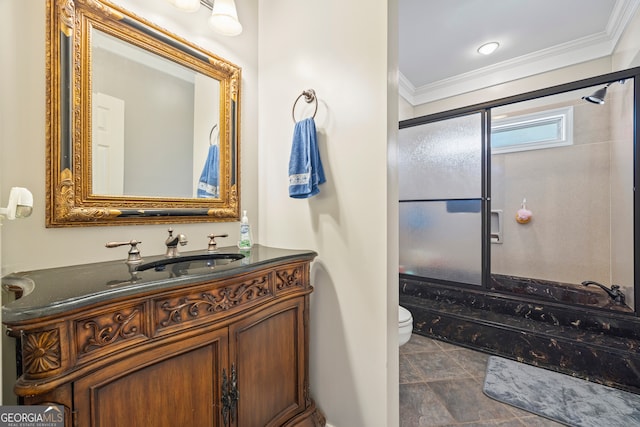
x=597, y=97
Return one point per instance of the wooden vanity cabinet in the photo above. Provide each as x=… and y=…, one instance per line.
x=230, y=352
x=273, y=377
x=181, y=389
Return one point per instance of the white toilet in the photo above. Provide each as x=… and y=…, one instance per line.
x=405, y=325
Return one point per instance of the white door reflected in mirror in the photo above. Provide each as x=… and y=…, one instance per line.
x=107, y=148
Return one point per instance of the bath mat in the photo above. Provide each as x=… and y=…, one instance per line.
x=561, y=398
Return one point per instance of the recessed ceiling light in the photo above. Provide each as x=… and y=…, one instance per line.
x=488, y=48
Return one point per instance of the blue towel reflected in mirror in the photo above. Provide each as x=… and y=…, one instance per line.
x=208, y=186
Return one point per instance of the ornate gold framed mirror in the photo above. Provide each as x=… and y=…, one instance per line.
x=143, y=126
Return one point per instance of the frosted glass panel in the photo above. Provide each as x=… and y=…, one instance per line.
x=441, y=160
x=442, y=240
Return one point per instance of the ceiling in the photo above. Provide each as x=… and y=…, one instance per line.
x=439, y=39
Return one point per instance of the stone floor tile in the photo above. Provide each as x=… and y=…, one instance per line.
x=418, y=343
x=536, y=421
x=420, y=407
x=503, y=423
x=408, y=373
x=445, y=346
x=466, y=402
x=473, y=362
x=436, y=366
x=511, y=423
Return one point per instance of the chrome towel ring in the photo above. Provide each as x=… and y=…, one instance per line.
x=211, y=134
x=309, y=97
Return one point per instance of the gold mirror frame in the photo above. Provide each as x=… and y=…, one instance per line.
x=69, y=198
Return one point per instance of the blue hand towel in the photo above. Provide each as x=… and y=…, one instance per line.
x=305, y=166
x=208, y=183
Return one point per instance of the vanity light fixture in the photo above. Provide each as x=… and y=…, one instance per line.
x=20, y=204
x=224, y=15
x=186, y=5
x=224, y=18
x=488, y=48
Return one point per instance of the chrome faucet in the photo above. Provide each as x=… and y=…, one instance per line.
x=172, y=243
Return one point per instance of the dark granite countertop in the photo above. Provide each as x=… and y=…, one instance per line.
x=56, y=290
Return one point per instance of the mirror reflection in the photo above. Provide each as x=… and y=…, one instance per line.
x=152, y=121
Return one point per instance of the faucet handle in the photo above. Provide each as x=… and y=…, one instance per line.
x=213, y=246
x=134, y=253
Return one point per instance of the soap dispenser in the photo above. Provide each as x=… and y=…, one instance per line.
x=245, y=242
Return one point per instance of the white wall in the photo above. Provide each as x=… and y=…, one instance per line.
x=342, y=53
x=10, y=32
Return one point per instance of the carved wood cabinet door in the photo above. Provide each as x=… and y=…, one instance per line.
x=267, y=353
x=178, y=384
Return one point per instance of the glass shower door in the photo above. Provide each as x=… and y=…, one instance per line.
x=441, y=199
x=573, y=163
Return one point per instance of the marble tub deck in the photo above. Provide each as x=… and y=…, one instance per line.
x=441, y=385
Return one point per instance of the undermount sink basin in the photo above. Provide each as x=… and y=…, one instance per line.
x=188, y=262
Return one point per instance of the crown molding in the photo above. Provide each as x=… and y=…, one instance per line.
x=580, y=50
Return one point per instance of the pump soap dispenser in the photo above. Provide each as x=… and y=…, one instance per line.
x=245, y=242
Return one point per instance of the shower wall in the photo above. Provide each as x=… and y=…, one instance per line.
x=565, y=198
x=581, y=197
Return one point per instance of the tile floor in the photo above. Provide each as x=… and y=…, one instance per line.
x=441, y=385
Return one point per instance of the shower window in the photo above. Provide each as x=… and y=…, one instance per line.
x=534, y=131
x=464, y=175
